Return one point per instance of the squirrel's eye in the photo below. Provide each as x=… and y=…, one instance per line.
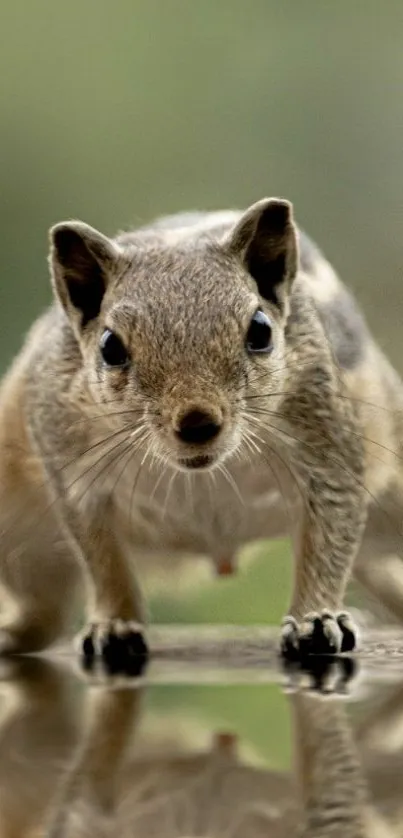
x=259, y=337
x=112, y=350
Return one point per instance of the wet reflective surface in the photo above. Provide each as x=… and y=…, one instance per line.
x=195, y=750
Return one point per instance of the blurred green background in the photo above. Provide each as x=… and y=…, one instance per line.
x=117, y=112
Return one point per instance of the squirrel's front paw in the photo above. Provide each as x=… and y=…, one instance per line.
x=118, y=643
x=318, y=634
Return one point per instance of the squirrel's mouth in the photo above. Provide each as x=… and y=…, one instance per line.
x=206, y=460
x=201, y=461
x=205, y=457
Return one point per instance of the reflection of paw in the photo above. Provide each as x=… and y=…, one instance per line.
x=318, y=634
x=324, y=674
x=119, y=644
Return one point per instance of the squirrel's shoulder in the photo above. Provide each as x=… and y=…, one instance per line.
x=343, y=322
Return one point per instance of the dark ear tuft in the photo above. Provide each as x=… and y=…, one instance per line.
x=80, y=258
x=265, y=239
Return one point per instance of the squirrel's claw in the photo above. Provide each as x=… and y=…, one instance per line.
x=322, y=633
x=119, y=644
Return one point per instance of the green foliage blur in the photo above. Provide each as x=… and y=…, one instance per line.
x=118, y=112
x=257, y=713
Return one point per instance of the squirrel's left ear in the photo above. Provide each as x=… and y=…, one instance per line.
x=81, y=261
x=265, y=238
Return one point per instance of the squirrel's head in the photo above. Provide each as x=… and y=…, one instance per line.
x=178, y=334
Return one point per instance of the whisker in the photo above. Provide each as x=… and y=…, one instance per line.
x=132, y=449
x=253, y=446
x=211, y=480
x=146, y=437
x=44, y=485
x=221, y=467
x=92, y=447
x=275, y=475
x=344, y=468
x=157, y=483
x=109, y=415
x=132, y=453
x=188, y=478
x=168, y=491
x=98, y=474
x=245, y=453
x=344, y=396
x=305, y=423
x=56, y=500
x=45, y=482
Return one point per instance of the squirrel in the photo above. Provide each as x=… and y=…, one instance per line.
x=197, y=383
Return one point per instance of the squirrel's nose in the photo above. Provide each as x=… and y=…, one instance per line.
x=198, y=427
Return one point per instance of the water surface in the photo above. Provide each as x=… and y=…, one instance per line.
x=196, y=749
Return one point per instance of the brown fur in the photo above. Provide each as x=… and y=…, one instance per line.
x=92, y=472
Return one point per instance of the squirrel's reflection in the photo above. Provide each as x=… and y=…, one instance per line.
x=70, y=767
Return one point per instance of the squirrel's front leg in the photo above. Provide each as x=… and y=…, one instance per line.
x=114, y=629
x=326, y=544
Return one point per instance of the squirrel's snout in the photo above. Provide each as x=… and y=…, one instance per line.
x=198, y=427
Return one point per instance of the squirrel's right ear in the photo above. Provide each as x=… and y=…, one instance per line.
x=80, y=260
x=265, y=239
